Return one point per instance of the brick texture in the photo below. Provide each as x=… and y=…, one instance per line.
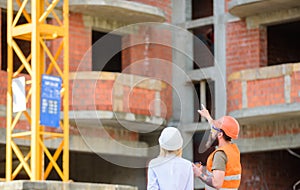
x=245, y=48
x=268, y=170
x=270, y=129
x=149, y=53
x=265, y=92
x=295, y=89
x=3, y=87
x=234, y=96
x=80, y=41
x=99, y=95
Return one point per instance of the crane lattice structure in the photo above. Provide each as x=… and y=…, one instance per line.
x=45, y=23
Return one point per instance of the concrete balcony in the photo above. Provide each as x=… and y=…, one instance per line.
x=245, y=8
x=265, y=92
x=121, y=11
x=116, y=98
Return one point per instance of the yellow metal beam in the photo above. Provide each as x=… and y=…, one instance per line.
x=49, y=31
x=8, y=166
x=35, y=97
x=55, y=135
x=26, y=15
x=13, y=124
x=22, y=7
x=53, y=61
x=21, y=158
x=21, y=57
x=27, y=116
x=50, y=68
x=21, y=134
x=37, y=31
x=48, y=11
x=22, y=67
x=53, y=162
x=66, y=90
x=20, y=166
x=22, y=30
x=55, y=15
x=55, y=157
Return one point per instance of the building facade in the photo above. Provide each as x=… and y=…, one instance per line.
x=129, y=80
x=253, y=50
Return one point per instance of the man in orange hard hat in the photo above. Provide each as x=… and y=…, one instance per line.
x=223, y=170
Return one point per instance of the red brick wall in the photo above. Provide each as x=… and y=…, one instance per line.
x=265, y=92
x=161, y=70
x=152, y=59
x=138, y=100
x=234, y=96
x=295, y=88
x=270, y=129
x=3, y=87
x=80, y=40
x=269, y=170
x=83, y=97
x=98, y=95
x=22, y=124
x=245, y=48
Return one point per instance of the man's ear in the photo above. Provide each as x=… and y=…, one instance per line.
x=220, y=134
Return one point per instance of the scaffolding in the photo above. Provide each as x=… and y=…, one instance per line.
x=44, y=25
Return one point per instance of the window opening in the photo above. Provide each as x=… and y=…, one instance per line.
x=205, y=93
x=112, y=43
x=203, y=47
x=202, y=8
x=283, y=43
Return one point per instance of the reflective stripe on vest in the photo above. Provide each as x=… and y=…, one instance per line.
x=211, y=188
x=232, y=179
x=229, y=177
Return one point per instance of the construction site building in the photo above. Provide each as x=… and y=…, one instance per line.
x=250, y=70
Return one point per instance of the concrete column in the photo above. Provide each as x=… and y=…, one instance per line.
x=182, y=90
x=220, y=57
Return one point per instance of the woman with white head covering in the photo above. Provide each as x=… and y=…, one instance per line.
x=169, y=170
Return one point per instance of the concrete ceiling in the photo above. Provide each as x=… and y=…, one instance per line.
x=118, y=10
x=245, y=8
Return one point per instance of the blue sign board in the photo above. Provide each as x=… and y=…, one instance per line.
x=50, y=101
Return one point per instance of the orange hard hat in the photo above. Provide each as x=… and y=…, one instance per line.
x=229, y=125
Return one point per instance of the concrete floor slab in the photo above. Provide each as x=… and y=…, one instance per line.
x=54, y=185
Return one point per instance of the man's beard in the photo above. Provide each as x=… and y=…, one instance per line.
x=212, y=141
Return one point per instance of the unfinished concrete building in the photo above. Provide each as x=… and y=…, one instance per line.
x=131, y=89
x=254, y=47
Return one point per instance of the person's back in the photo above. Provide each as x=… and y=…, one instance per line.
x=170, y=172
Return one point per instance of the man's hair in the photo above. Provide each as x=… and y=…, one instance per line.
x=226, y=137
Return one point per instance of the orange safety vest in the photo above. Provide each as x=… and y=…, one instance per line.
x=233, y=169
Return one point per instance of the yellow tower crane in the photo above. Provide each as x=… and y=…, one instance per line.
x=44, y=25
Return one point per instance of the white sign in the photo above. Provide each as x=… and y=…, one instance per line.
x=19, y=96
